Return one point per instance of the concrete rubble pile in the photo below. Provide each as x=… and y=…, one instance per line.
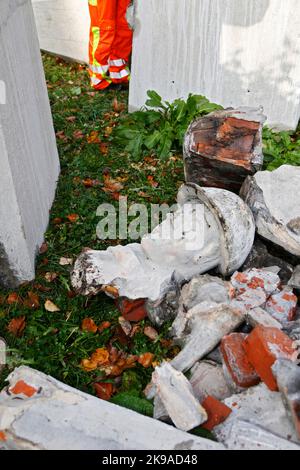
x=232, y=305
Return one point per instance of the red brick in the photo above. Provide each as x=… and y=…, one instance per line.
x=216, y=411
x=282, y=306
x=132, y=310
x=22, y=388
x=238, y=365
x=263, y=346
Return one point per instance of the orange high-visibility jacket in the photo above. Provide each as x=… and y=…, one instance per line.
x=110, y=42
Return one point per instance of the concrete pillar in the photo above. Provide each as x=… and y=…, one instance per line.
x=236, y=52
x=28, y=155
x=63, y=27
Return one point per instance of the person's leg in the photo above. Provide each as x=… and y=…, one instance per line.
x=102, y=33
x=122, y=46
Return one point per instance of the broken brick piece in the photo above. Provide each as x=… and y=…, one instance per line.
x=132, y=310
x=238, y=365
x=283, y=305
x=221, y=149
x=2, y=436
x=263, y=346
x=22, y=388
x=216, y=411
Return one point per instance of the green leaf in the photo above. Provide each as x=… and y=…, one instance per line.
x=154, y=100
x=152, y=140
x=127, y=400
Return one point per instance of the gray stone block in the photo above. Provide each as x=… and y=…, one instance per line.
x=28, y=154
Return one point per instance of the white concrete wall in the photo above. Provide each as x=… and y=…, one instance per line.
x=63, y=27
x=29, y=164
x=236, y=52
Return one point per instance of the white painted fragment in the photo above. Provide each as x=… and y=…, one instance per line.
x=176, y=395
x=247, y=436
x=259, y=406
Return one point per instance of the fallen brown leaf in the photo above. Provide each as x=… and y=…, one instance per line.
x=146, y=359
x=41, y=288
x=151, y=181
x=57, y=221
x=93, y=138
x=43, y=248
x=51, y=307
x=103, y=326
x=16, y=326
x=71, y=118
x=89, y=183
x=13, y=298
x=50, y=276
x=78, y=134
x=88, y=324
x=32, y=301
x=73, y=218
x=117, y=106
x=65, y=261
x=111, y=185
x=103, y=147
x=103, y=390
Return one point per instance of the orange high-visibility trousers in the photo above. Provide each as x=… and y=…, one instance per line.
x=110, y=42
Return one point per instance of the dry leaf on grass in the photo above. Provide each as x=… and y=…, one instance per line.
x=43, y=248
x=65, y=261
x=103, y=326
x=93, y=138
x=88, y=324
x=32, y=301
x=50, y=276
x=73, y=218
x=51, y=307
x=13, y=298
x=16, y=326
x=103, y=390
x=146, y=359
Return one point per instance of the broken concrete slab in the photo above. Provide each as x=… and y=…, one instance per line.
x=259, y=406
x=207, y=378
x=59, y=417
x=288, y=380
x=274, y=199
x=225, y=146
x=176, y=395
x=2, y=353
x=203, y=332
x=248, y=436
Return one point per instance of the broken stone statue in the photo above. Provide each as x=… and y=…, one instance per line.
x=221, y=237
x=274, y=199
x=224, y=147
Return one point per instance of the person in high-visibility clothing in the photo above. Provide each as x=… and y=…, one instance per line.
x=110, y=43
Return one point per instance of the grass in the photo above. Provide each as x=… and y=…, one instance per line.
x=54, y=342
